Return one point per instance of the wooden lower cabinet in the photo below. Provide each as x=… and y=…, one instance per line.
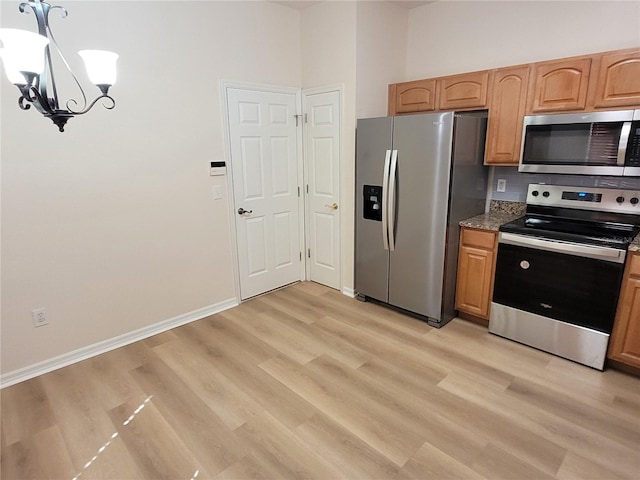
x=624, y=346
x=476, y=268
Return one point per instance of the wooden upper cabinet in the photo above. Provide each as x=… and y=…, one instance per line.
x=468, y=90
x=560, y=85
x=506, y=114
x=607, y=80
x=618, y=81
x=416, y=96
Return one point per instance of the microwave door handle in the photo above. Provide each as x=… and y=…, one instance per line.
x=385, y=195
x=624, y=140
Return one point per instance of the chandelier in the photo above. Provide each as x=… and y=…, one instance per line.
x=26, y=57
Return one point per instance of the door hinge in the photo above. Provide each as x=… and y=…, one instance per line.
x=306, y=119
x=298, y=192
x=297, y=117
x=300, y=256
x=307, y=188
x=309, y=252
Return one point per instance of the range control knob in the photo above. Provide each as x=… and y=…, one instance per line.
x=545, y=194
x=620, y=199
x=535, y=193
x=634, y=200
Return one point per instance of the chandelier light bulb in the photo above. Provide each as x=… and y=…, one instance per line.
x=100, y=65
x=23, y=52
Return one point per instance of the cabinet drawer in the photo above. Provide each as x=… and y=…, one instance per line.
x=478, y=238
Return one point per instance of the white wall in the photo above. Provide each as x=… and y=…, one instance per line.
x=328, y=39
x=381, y=54
x=111, y=226
x=449, y=37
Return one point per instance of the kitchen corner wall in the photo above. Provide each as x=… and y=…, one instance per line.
x=449, y=37
x=328, y=40
x=111, y=226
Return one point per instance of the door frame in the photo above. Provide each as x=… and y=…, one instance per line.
x=339, y=88
x=256, y=87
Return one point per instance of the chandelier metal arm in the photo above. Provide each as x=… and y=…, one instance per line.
x=40, y=90
x=32, y=95
x=90, y=106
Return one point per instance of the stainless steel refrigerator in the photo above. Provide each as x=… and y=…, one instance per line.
x=417, y=176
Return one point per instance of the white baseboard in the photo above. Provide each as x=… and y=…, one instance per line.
x=349, y=292
x=46, y=366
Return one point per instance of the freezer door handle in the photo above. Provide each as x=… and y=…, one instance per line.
x=385, y=209
x=391, y=198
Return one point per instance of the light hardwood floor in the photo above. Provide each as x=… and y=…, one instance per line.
x=307, y=383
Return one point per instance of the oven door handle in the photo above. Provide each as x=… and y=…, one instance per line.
x=599, y=253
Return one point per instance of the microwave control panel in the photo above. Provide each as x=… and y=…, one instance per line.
x=633, y=147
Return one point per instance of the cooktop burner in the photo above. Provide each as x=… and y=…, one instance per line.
x=613, y=235
x=594, y=216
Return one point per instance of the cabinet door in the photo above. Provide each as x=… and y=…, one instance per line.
x=625, y=339
x=476, y=265
x=560, y=85
x=417, y=96
x=618, y=83
x=506, y=114
x=468, y=90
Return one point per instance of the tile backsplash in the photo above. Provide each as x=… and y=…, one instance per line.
x=517, y=183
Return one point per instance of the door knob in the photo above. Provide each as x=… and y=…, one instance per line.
x=333, y=206
x=242, y=211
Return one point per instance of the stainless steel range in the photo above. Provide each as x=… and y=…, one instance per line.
x=559, y=270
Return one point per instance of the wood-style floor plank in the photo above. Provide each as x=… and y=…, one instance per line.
x=305, y=382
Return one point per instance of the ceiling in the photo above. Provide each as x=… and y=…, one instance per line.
x=302, y=4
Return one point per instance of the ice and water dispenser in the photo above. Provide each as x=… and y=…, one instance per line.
x=372, y=202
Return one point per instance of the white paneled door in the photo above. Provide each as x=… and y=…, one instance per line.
x=322, y=162
x=264, y=161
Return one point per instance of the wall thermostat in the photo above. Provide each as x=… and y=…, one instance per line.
x=218, y=168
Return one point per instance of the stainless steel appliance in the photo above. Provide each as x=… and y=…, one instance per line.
x=417, y=176
x=559, y=270
x=598, y=143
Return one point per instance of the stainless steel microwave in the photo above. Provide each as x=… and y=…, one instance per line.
x=598, y=143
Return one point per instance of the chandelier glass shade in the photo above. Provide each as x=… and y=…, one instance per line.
x=26, y=58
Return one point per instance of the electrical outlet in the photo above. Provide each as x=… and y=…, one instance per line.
x=39, y=317
x=502, y=185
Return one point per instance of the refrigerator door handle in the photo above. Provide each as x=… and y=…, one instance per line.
x=385, y=210
x=391, y=199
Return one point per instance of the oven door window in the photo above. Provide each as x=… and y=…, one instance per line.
x=576, y=290
x=590, y=144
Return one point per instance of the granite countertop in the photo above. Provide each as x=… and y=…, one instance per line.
x=635, y=245
x=500, y=212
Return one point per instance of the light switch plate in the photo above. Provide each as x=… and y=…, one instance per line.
x=502, y=185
